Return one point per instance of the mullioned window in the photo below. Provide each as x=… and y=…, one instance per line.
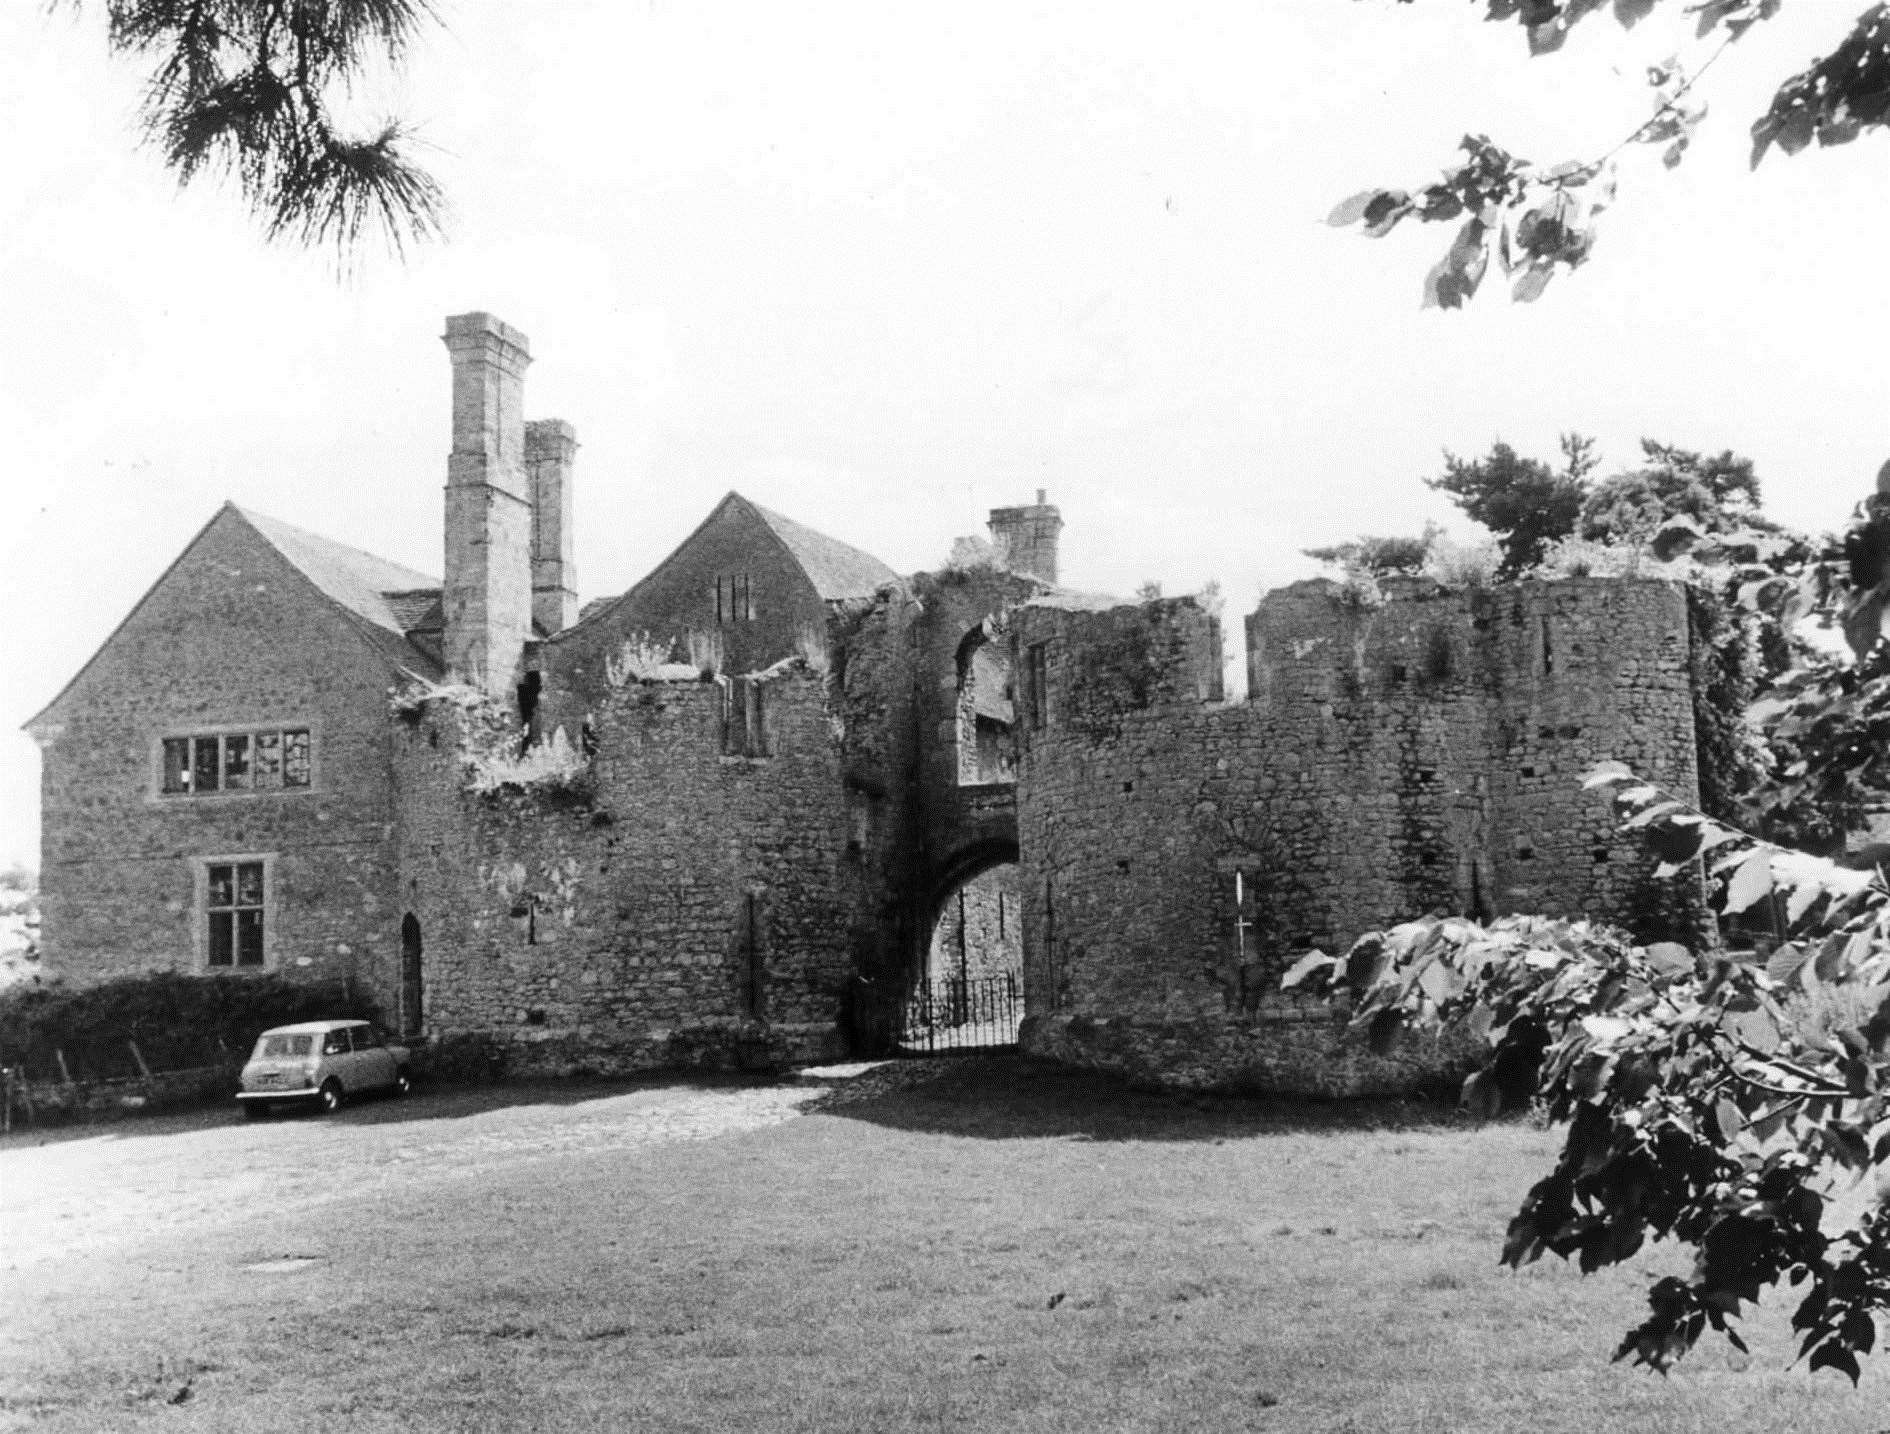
x=269, y=759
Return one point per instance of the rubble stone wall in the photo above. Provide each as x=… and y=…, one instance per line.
x=121, y=863
x=1393, y=759
x=675, y=906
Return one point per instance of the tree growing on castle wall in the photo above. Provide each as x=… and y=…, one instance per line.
x=248, y=89
x=1538, y=220
x=1736, y=1103
x=1524, y=501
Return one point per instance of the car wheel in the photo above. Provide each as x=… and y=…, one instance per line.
x=330, y=1097
x=256, y=1109
x=402, y=1081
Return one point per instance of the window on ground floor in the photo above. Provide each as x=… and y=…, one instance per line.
x=234, y=904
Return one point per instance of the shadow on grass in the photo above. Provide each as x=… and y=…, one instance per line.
x=428, y=1102
x=1012, y=1097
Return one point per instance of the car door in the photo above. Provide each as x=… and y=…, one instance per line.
x=337, y=1060
x=374, y=1062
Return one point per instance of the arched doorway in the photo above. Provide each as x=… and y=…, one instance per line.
x=412, y=988
x=969, y=990
x=978, y=931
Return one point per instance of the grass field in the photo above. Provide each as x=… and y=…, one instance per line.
x=1004, y=1248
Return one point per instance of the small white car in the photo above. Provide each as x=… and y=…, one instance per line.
x=321, y=1063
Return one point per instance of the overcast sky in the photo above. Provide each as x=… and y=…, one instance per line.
x=885, y=266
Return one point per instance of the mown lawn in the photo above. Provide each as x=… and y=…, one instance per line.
x=1006, y=1248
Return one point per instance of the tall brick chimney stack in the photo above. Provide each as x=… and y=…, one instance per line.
x=1026, y=538
x=550, y=454
x=487, y=596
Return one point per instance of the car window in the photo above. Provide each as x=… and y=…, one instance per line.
x=366, y=1038
x=285, y=1045
x=336, y=1044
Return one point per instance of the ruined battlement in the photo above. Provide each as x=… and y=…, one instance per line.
x=1415, y=755
x=584, y=844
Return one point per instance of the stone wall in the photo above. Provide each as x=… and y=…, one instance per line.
x=774, y=611
x=677, y=905
x=1419, y=755
x=231, y=636
x=925, y=828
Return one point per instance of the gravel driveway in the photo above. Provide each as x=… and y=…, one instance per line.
x=67, y=1191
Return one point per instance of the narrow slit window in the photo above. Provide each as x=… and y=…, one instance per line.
x=1037, y=685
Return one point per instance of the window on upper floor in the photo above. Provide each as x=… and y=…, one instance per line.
x=234, y=900
x=734, y=599
x=1037, y=685
x=269, y=759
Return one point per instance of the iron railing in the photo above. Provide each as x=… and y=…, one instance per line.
x=979, y=1013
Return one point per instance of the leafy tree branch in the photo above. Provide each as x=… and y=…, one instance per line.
x=247, y=88
x=1538, y=220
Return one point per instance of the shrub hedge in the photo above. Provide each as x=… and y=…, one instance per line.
x=178, y=1021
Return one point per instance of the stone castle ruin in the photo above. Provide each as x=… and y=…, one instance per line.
x=774, y=785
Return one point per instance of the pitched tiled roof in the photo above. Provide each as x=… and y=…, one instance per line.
x=381, y=596
x=365, y=585
x=836, y=570
x=419, y=608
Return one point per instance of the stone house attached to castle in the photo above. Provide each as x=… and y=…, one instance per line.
x=295, y=757
x=227, y=788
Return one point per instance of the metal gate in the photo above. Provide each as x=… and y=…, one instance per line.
x=978, y=1013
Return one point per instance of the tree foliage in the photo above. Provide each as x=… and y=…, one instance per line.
x=1538, y=220
x=248, y=88
x=1725, y=1102
x=1531, y=505
x=1735, y=1102
x=1380, y=556
x=1524, y=501
x=1718, y=492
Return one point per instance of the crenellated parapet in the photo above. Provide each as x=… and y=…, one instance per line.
x=1414, y=753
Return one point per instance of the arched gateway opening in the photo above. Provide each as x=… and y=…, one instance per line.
x=969, y=993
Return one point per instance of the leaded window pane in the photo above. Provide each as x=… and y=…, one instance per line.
x=236, y=762
x=295, y=759
x=222, y=938
x=206, y=767
x=249, y=884
x=177, y=764
x=249, y=938
x=222, y=886
x=267, y=767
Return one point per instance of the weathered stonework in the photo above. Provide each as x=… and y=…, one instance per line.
x=121, y=862
x=849, y=781
x=677, y=905
x=1397, y=759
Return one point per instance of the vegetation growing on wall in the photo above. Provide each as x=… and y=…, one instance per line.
x=496, y=749
x=1119, y=673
